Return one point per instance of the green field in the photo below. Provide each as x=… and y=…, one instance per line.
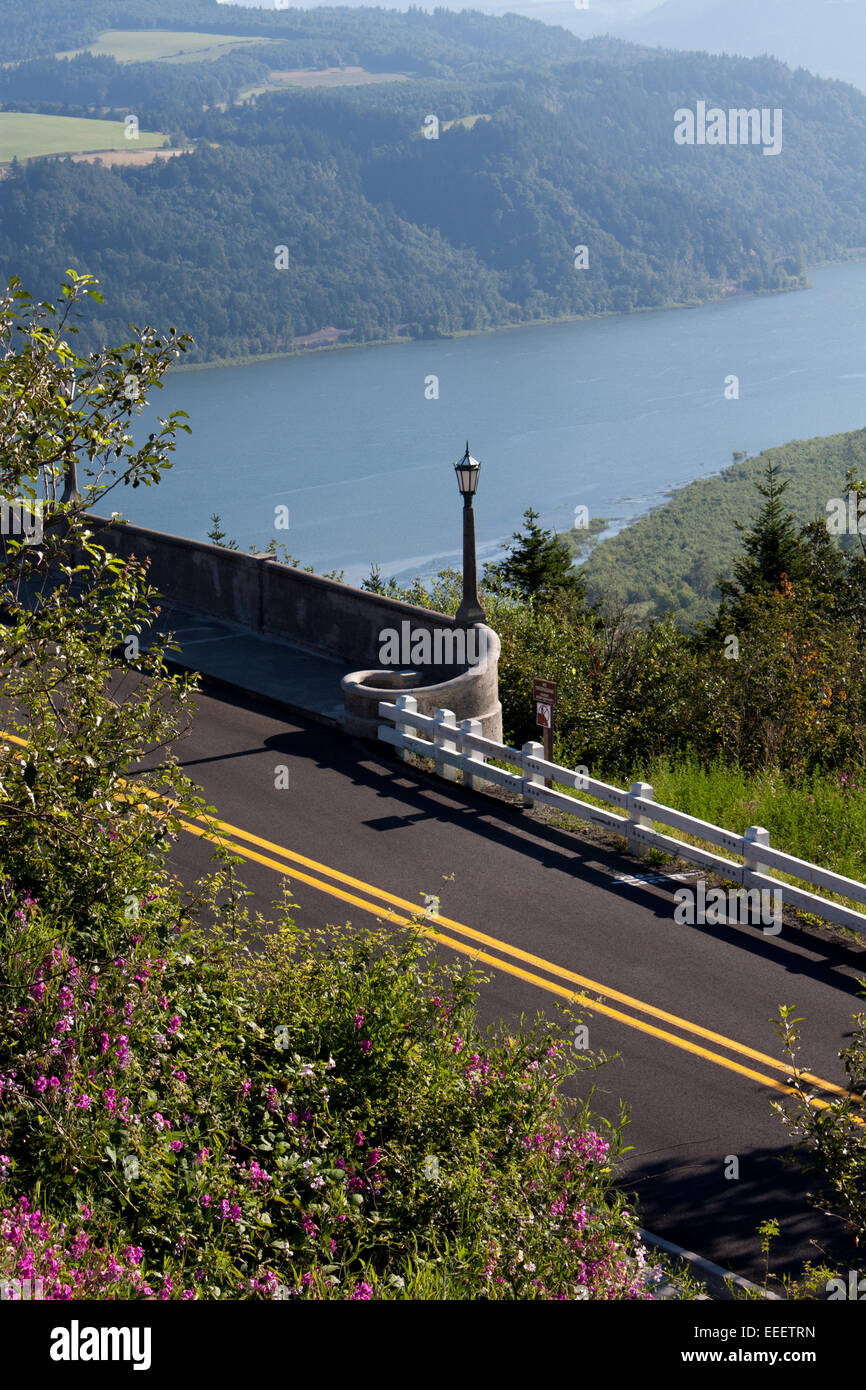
x=279, y=81
x=162, y=45
x=24, y=135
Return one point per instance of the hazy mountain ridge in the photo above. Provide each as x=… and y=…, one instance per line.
x=479, y=228
x=825, y=36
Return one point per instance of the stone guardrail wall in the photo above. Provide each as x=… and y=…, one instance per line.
x=317, y=614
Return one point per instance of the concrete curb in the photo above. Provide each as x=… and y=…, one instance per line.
x=714, y=1276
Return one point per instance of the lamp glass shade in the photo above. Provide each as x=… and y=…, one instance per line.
x=467, y=470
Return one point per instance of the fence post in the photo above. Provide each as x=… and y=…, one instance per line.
x=444, y=721
x=531, y=750
x=754, y=837
x=474, y=755
x=637, y=819
x=410, y=704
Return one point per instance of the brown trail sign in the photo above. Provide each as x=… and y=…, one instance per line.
x=544, y=696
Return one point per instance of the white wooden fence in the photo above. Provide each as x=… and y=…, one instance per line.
x=463, y=747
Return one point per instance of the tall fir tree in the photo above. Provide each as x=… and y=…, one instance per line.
x=773, y=548
x=538, y=565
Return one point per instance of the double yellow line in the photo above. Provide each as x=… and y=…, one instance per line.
x=457, y=936
x=448, y=932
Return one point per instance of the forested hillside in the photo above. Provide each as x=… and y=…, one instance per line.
x=670, y=560
x=437, y=44
x=824, y=37
x=388, y=232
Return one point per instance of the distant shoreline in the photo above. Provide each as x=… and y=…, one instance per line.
x=506, y=327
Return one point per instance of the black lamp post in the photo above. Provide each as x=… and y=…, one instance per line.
x=467, y=470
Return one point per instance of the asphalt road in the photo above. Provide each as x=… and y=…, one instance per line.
x=681, y=1005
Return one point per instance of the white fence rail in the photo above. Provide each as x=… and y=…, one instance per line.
x=463, y=748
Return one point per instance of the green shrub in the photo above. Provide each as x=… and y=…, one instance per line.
x=199, y=1121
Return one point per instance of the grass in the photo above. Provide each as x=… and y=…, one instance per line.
x=327, y=77
x=822, y=820
x=24, y=136
x=162, y=45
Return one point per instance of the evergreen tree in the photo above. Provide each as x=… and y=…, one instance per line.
x=773, y=549
x=218, y=535
x=538, y=564
x=826, y=570
x=373, y=583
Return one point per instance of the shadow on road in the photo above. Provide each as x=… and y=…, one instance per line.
x=425, y=797
x=690, y=1202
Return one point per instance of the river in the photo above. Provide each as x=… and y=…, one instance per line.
x=607, y=414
